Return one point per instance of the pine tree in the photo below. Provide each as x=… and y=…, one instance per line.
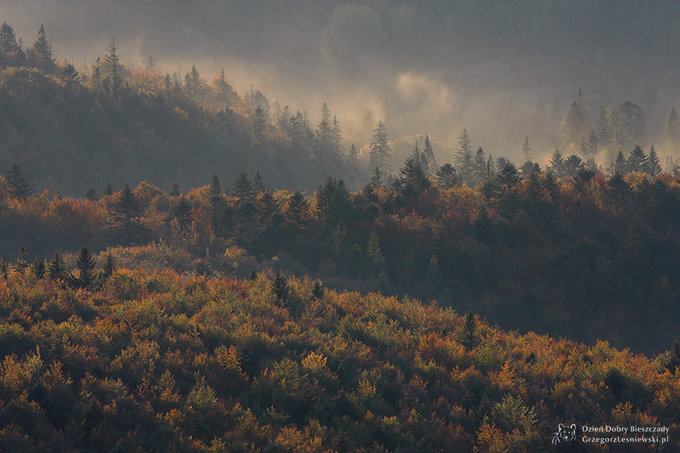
x=428, y=154
x=464, y=159
x=446, y=176
x=258, y=183
x=20, y=265
x=377, y=179
x=552, y=186
x=41, y=52
x=637, y=160
x=8, y=39
x=125, y=212
x=69, y=77
x=215, y=201
x=225, y=93
x=174, y=192
x=267, y=206
x=11, y=53
x=374, y=251
x=85, y=265
x=109, y=266
x=114, y=81
x=280, y=288
x=380, y=149
x=508, y=176
x=108, y=190
x=672, y=130
x=57, y=268
x=652, y=166
x=193, y=84
x=317, y=290
x=298, y=210
x=469, y=331
x=556, y=166
x=572, y=165
x=18, y=185
x=478, y=167
x=39, y=269
x=243, y=188
x=576, y=123
x=620, y=164
x=412, y=180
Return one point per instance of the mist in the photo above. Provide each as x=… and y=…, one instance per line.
x=502, y=71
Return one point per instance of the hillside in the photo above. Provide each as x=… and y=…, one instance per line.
x=576, y=257
x=160, y=361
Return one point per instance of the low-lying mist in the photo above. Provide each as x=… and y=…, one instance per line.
x=502, y=71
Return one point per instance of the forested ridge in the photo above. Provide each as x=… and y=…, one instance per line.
x=186, y=268
x=160, y=361
x=579, y=256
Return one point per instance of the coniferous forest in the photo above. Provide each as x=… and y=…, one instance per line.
x=188, y=266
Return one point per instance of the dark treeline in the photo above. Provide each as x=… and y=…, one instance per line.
x=113, y=123
x=577, y=256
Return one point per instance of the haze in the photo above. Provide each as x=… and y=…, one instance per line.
x=501, y=70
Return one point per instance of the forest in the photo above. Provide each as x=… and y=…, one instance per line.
x=187, y=268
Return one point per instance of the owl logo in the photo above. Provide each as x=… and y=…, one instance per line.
x=564, y=434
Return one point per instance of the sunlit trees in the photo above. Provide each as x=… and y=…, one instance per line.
x=576, y=124
x=380, y=149
x=464, y=158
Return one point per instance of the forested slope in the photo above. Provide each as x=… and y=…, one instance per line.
x=159, y=361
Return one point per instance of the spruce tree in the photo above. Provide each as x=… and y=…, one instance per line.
x=125, y=212
x=41, y=52
x=556, y=166
x=298, y=210
x=243, y=188
x=85, y=265
x=56, y=268
x=637, y=160
x=469, y=331
x=464, y=159
x=114, y=81
x=380, y=149
x=412, y=180
x=280, y=288
x=39, y=269
x=620, y=164
x=446, y=177
x=69, y=77
x=672, y=130
x=652, y=166
x=109, y=266
x=258, y=183
x=508, y=176
x=18, y=185
x=428, y=153
x=576, y=124
x=377, y=179
x=572, y=165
